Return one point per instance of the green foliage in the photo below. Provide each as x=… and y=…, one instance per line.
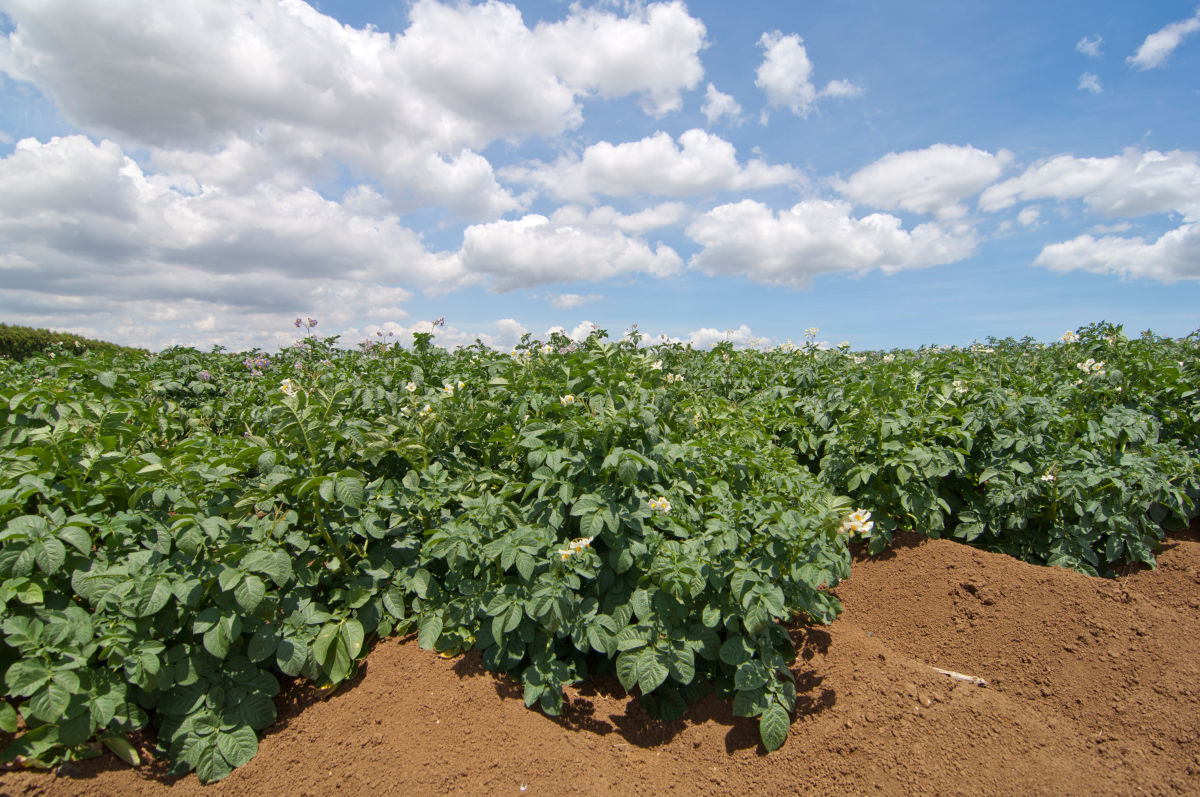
x=180, y=531
x=19, y=343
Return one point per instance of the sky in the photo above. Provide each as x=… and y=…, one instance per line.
x=893, y=174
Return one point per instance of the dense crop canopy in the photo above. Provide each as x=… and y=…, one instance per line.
x=179, y=531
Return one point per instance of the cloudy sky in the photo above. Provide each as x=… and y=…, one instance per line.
x=895, y=174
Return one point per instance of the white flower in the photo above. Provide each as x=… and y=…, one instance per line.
x=547, y=349
x=567, y=399
x=288, y=388
x=1069, y=337
x=460, y=384
x=959, y=387
x=427, y=410
x=888, y=358
x=411, y=387
x=859, y=360
x=845, y=344
x=656, y=365
x=660, y=504
x=575, y=546
x=1048, y=476
x=811, y=333
x=448, y=389
x=673, y=378
x=858, y=522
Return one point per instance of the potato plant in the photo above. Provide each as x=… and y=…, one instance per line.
x=182, y=530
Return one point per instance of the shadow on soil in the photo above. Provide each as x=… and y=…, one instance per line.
x=600, y=705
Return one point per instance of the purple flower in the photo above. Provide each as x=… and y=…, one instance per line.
x=299, y=323
x=204, y=375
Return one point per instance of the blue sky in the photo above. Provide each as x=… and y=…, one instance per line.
x=894, y=174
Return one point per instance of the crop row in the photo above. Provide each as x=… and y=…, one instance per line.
x=180, y=531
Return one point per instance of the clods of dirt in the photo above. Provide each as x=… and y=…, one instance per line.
x=1093, y=688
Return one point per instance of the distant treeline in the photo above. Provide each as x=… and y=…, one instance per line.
x=18, y=343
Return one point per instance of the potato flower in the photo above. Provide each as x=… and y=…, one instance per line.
x=567, y=399
x=858, y=522
x=660, y=504
x=288, y=388
x=575, y=546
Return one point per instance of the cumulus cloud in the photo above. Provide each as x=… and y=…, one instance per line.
x=1090, y=82
x=238, y=91
x=717, y=104
x=1130, y=184
x=565, y=301
x=1172, y=257
x=654, y=51
x=534, y=250
x=1028, y=217
x=932, y=180
x=814, y=237
x=1157, y=46
x=84, y=229
x=785, y=75
x=1090, y=45
x=662, y=215
x=707, y=337
x=700, y=163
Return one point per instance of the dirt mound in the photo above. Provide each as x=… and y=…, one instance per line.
x=1093, y=688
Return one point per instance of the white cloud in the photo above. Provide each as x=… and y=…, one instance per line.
x=84, y=230
x=1028, y=217
x=565, y=301
x=1105, y=229
x=932, y=180
x=1090, y=82
x=663, y=215
x=717, y=104
x=655, y=51
x=534, y=250
x=1157, y=46
x=707, y=337
x=814, y=237
x=701, y=163
x=841, y=88
x=1173, y=257
x=1130, y=184
x=785, y=75
x=1090, y=45
x=235, y=92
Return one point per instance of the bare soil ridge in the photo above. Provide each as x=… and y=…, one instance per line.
x=1093, y=689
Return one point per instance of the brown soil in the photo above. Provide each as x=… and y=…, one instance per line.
x=1093, y=689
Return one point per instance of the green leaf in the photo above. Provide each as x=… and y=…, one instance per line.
x=263, y=643
x=25, y=677
x=736, y=650
x=123, y=750
x=50, y=702
x=8, y=718
x=76, y=729
x=652, y=670
x=256, y=710
x=107, y=378
x=249, y=593
x=773, y=727
x=211, y=765
x=352, y=636
x=238, y=745
x=50, y=554
x=627, y=669
x=429, y=630
x=325, y=490
x=349, y=491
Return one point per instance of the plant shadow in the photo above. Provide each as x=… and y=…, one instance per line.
x=601, y=706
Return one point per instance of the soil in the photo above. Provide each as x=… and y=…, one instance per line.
x=1093, y=688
